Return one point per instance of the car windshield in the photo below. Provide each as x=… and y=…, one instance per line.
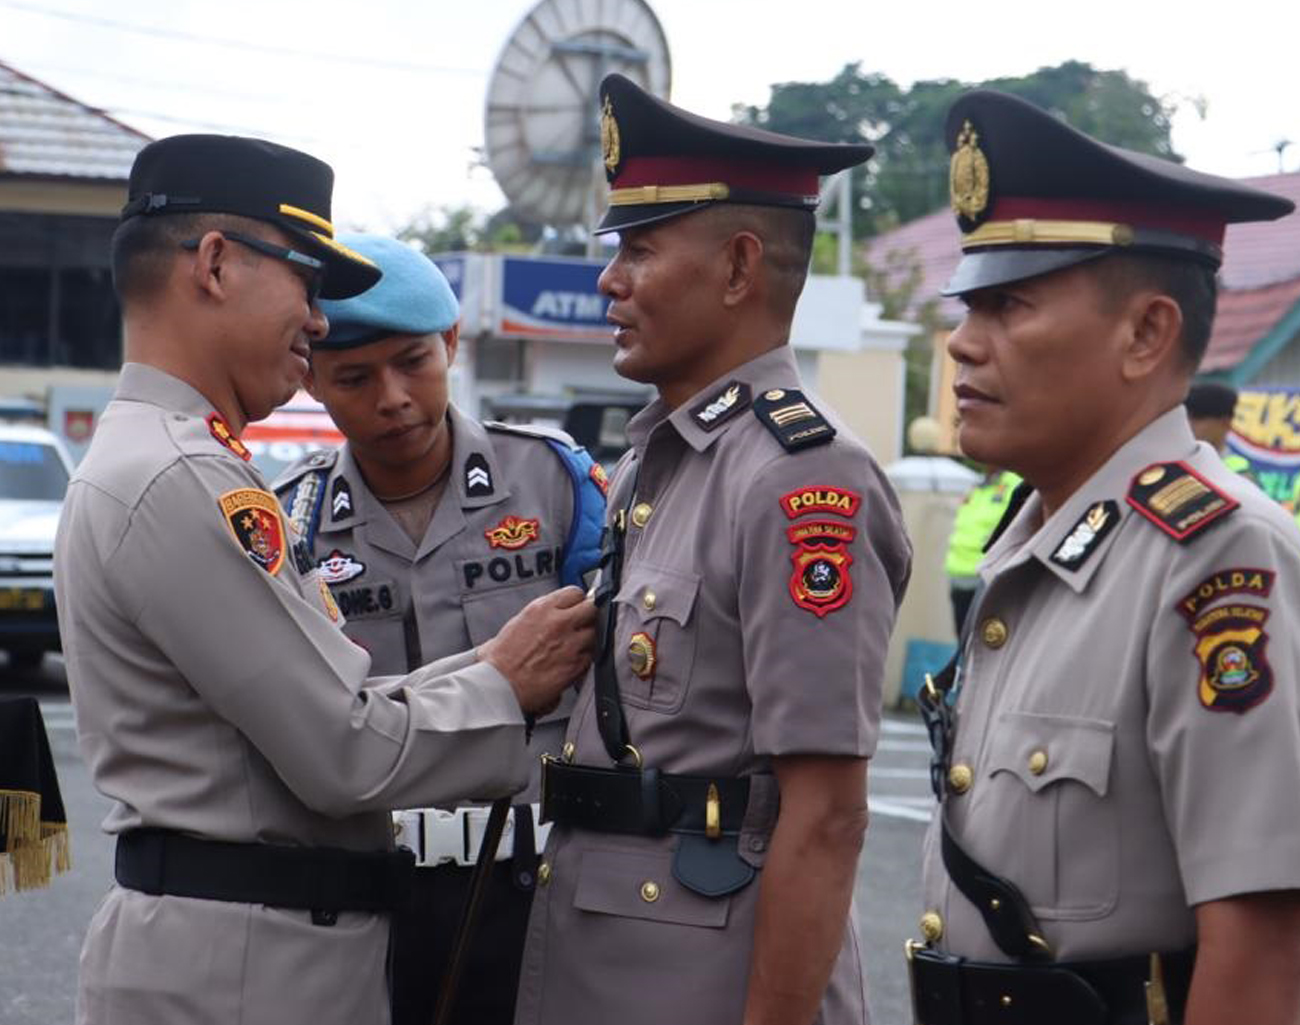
x=32, y=471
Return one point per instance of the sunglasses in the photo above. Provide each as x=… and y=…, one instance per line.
x=312, y=283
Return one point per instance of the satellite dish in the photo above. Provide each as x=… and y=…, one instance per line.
x=542, y=129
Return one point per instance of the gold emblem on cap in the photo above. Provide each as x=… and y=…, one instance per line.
x=968, y=175
x=641, y=655
x=610, y=148
x=1151, y=476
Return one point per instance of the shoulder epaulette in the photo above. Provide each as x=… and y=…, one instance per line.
x=533, y=431
x=324, y=459
x=1178, y=500
x=792, y=419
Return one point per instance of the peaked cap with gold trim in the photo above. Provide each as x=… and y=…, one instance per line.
x=1033, y=195
x=662, y=161
x=230, y=174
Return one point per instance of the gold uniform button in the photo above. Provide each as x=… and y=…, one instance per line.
x=1038, y=762
x=649, y=891
x=648, y=600
x=641, y=514
x=543, y=873
x=960, y=778
x=931, y=927
x=568, y=751
x=994, y=632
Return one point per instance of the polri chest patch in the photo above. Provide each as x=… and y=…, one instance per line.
x=339, y=567
x=1087, y=535
x=1230, y=648
x=512, y=532
x=253, y=517
x=1178, y=500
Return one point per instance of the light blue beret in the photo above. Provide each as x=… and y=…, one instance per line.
x=412, y=297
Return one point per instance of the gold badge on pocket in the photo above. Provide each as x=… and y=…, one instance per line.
x=641, y=655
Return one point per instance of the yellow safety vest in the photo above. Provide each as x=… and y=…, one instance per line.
x=978, y=515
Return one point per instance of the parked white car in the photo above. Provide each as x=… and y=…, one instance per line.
x=34, y=472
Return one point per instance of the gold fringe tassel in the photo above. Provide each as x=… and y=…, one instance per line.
x=34, y=850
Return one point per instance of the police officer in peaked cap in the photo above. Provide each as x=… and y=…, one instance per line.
x=1118, y=837
x=710, y=801
x=431, y=531
x=248, y=754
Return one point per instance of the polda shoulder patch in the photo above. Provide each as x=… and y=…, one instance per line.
x=1230, y=647
x=721, y=406
x=792, y=419
x=1178, y=500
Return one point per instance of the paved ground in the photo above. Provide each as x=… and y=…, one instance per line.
x=41, y=931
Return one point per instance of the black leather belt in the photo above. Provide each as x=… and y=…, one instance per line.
x=645, y=802
x=318, y=879
x=949, y=990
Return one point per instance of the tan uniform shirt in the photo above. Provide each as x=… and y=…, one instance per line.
x=216, y=695
x=493, y=545
x=1129, y=713
x=763, y=584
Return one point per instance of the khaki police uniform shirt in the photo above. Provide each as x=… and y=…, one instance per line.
x=216, y=695
x=1129, y=718
x=732, y=648
x=494, y=544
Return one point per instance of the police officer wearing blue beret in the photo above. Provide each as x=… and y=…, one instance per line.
x=431, y=530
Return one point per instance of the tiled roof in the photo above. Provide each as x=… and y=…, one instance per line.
x=1261, y=269
x=47, y=134
x=1244, y=316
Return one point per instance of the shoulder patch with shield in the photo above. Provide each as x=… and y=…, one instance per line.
x=253, y=517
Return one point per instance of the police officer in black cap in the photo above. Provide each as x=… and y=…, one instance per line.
x=1107, y=849
x=249, y=759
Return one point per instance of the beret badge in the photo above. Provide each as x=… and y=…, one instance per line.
x=968, y=178
x=609, y=139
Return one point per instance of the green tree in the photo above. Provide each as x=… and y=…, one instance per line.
x=908, y=176
x=449, y=229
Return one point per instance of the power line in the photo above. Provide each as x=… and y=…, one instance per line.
x=169, y=85
x=239, y=44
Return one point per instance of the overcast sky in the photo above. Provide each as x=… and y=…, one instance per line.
x=391, y=92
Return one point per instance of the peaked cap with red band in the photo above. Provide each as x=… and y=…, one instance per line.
x=662, y=161
x=1033, y=195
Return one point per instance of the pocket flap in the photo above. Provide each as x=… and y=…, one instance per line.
x=653, y=593
x=1044, y=749
x=619, y=883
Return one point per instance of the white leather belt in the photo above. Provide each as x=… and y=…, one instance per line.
x=455, y=837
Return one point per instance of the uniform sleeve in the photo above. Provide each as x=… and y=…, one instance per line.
x=1224, y=713
x=230, y=616
x=823, y=563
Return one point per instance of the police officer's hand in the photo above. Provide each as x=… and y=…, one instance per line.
x=546, y=646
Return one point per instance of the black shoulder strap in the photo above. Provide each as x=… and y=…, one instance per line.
x=610, y=719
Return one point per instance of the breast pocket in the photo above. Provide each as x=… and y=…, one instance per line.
x=656, y=638
x=1056, y=770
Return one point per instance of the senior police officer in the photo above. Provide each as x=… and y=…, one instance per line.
x=431, y=531
x=250, y=760
x=710, y=801
x=1119, y=834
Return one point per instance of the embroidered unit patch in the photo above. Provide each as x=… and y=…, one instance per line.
x=820, y=582
x=820, y=498
x=222, y=432
x=1178, y=500
x=600, y=478
x=1098, y=521
x=512, y=532
x=339, y=567
x=1230, y=643
x=254, y=518
x=1218, y=585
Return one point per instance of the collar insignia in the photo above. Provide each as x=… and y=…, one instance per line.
x=222, y=432
x=341, y=498
x=968, y=178
x=512, y=532
x=1178, y=500
x=339, y=567
x=1078, y=546
x=478, y=476
x=719, y=407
